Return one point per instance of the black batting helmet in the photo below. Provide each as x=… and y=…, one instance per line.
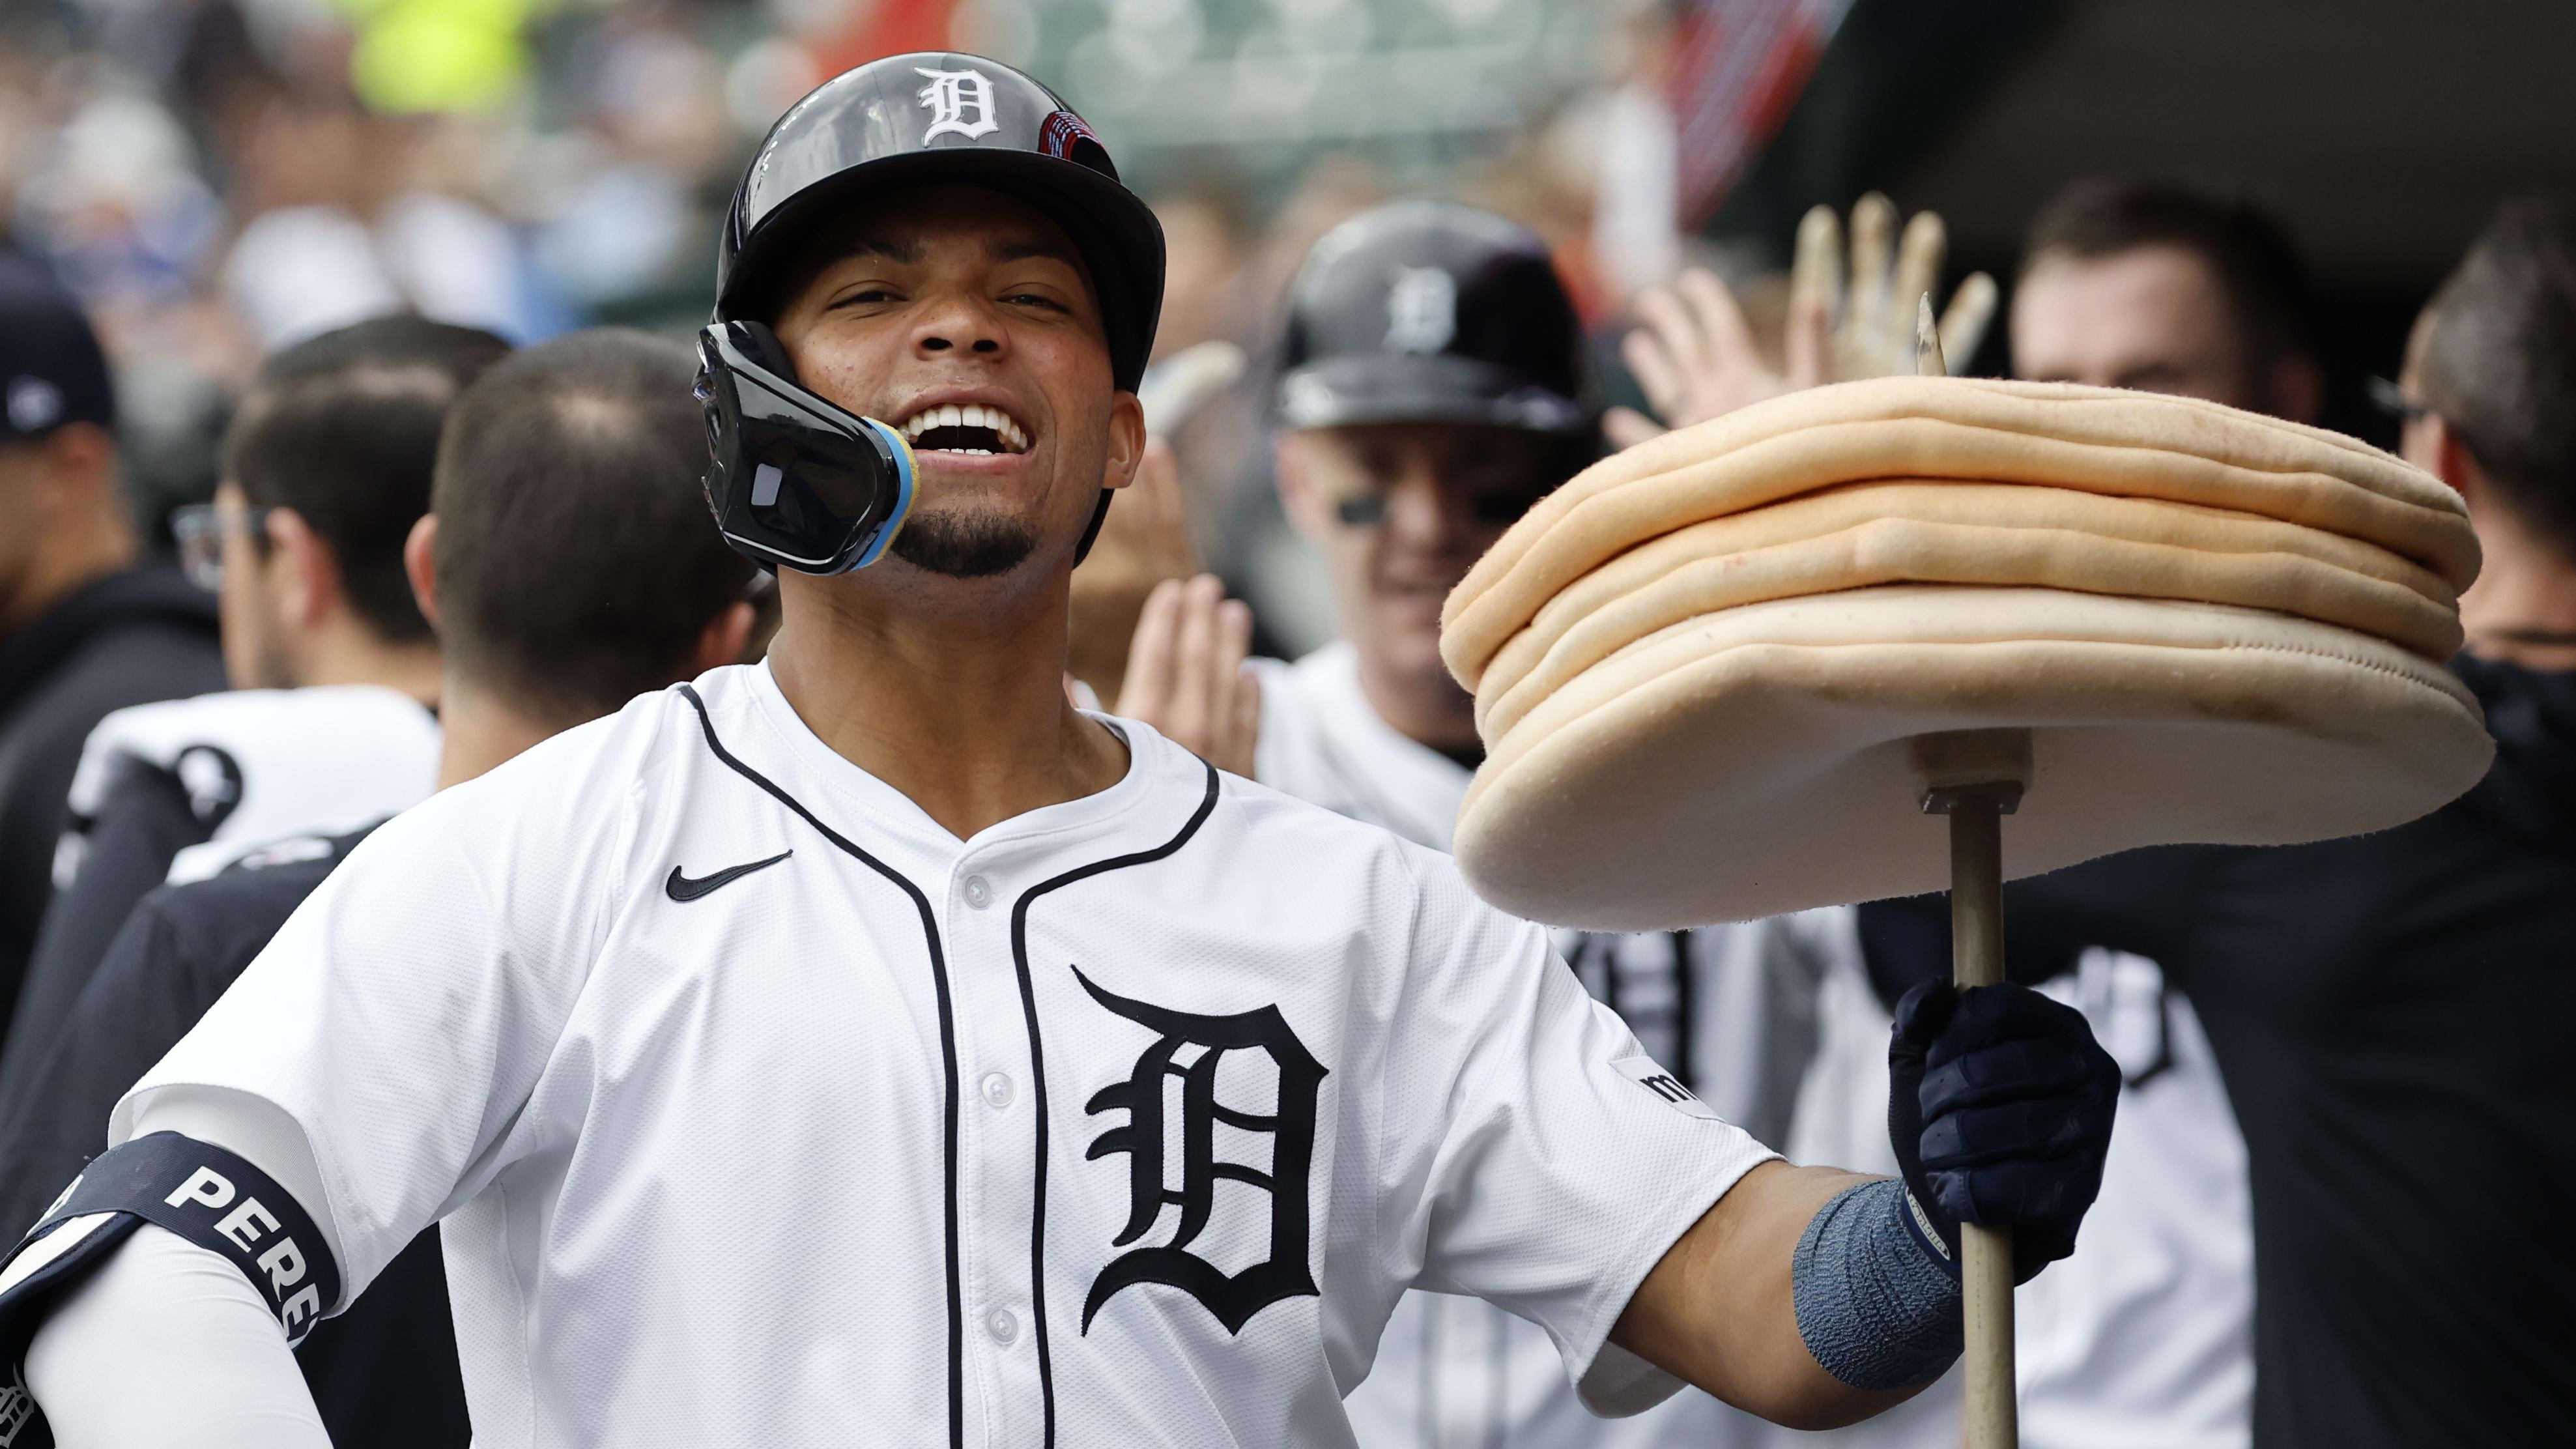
x=796, y=481
x=1427, y=311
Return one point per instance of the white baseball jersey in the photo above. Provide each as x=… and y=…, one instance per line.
x=1728, y=1009
x=2144, y=1339
x=259, y=764
x=762, y=1110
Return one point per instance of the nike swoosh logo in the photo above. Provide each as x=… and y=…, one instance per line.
x=680, y=888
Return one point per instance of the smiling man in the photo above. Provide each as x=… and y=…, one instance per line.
x=867, y=1047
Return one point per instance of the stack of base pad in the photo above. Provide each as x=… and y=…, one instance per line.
x=1698, y=665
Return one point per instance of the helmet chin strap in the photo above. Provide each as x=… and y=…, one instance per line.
x=1100, y=514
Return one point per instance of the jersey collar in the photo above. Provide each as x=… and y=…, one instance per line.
x=1155, y=767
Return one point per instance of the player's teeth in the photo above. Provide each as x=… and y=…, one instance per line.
x=952, y=416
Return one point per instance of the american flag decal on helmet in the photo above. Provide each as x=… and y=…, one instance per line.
x=1062, y=130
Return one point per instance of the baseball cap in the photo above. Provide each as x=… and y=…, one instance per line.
x=51, y=369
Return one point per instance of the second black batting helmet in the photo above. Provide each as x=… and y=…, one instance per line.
x=1427, y=311
x=796, y=481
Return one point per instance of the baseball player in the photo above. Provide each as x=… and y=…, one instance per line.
x=518, y=665
x=330, y=722
x=868, y=1047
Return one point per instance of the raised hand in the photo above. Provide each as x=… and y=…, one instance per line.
x=1873, y=316
x=1695, y=357
x=1185, y=673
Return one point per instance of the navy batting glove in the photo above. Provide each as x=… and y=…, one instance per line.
x=1999, y=1107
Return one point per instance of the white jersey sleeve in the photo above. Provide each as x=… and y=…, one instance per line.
x=1536, y=1156
x=404, y=1013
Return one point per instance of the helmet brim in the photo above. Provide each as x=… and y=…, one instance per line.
x=1432, y=388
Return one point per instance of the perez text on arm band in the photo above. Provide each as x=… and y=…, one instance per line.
x=205, y=1194
x=1873, y=1307
x=243, y=1124
x=207, y=1199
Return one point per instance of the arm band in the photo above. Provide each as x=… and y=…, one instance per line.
x=1873, y=1306
x=200, y=1192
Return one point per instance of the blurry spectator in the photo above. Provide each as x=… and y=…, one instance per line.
x=112, y=199
x=326, y=468
x=2488, y=401
x=83, y=631
x=2160, y=287
x=524, y=580
x=1207, y=244
x=335, y=231
x=632, y=218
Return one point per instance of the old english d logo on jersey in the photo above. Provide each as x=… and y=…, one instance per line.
x=17, y=1409
x=960, y=103
x=1232, y=1297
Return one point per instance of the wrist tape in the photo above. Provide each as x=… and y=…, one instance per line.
x=1874, y=1306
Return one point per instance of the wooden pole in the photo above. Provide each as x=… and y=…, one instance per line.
x=1988, y=1418
x=1976, y=777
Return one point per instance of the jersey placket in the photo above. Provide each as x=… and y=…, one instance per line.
x=997, y=1152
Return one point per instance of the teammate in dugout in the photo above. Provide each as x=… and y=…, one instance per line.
x=867, y=1047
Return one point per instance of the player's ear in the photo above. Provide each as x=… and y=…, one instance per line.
x=2455, y=464
x=723, y=640
x=307, y=574
x=82, y=456
x=1126, y=440
x=420, y=565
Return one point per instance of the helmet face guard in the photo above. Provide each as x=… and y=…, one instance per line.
x=795, y=482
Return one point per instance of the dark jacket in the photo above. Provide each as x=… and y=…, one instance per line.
x=129, y=638
x=2391, y=1015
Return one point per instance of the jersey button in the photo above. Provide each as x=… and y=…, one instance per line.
x=1002, y=1326
x=997, y=1089
x=979, y=892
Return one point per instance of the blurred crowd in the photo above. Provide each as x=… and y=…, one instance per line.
x=220, y=185
x=215, y=179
